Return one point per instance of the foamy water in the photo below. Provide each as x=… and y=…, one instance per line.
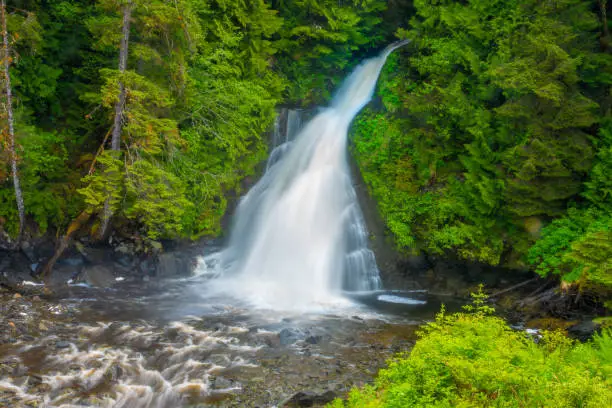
x=125, y=365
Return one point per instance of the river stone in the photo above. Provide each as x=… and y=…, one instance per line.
x=99, y=276
x=93, y=255
x=290, y=336
x=170, y=264
x=314, y=339
x=61, y=274
x=28, y=250
x=583, y=330
x=222, y=383
x=62, y=344
x=309, y=399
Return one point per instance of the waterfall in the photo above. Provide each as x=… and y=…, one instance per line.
x=298, y=236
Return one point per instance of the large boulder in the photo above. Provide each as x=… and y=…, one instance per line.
x=289, y=336
x=172, y=264
x=310, y=398
x=98, y=276
x=93, y=255
x=15, y=268
x=62, y=274
x=583, y=330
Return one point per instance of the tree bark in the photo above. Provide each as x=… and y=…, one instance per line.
x=603, y=5
x=605, y=36
x=11, y=130
x=107, y=212
x=64, y=243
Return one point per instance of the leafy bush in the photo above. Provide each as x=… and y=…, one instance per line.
x=48, y=188
x=578, y=248
x=474, y=359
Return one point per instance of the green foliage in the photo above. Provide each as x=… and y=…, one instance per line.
x=599, y=186
x=230, y=98
x=487, y=127
x=319, y=41
x=155, y=199
x=578, y=247
x=200, y=96
x=49, y=193
x=106, y=183
x=475, y=360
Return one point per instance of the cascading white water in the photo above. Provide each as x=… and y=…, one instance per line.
x=299, y=237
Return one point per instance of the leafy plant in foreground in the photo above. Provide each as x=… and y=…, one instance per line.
x=474, y=359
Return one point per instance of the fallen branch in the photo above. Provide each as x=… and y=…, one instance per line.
x=99, y=152
x=540, y=289
x=64, y=243
x=518, y=285
x=542, y=297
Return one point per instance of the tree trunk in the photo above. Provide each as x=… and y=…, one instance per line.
x=107, y=212
x=11, y=130
x=605, y=37
x=64, y=243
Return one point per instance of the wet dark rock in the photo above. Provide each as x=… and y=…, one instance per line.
x=222, y=382
x=125, y=248
x=14, y=268
x=61, y=274
x=309, y=399
x=115, y=372
x=171, y=264
x=266, y=339
x=62, y=344
x=98, y=276
x=415, y=264
x=583, y=330
x=43, y=249
x=125, y=263
x=147, y=266
x=313, y=339
x=35, y=380
x=93, y=255
x=290, y=336
x=28, y=251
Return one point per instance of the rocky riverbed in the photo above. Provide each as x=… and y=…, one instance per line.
x=165, y=346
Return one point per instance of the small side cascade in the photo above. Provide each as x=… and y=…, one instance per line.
x=287, y=125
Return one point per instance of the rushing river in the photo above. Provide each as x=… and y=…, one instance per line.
x=165, y=345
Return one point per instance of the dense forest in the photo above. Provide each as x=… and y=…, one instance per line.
x=490, y=139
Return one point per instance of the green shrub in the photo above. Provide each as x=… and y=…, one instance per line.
x=578, y=247
x=475, y=359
